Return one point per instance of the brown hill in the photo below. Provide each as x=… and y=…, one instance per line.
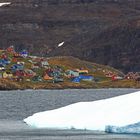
x=102, y=31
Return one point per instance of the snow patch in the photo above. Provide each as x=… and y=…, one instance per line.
x=4, y=3
x=61, y=44
x=120, y=114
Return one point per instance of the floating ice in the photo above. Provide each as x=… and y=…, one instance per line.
x=118, y=113
x=4, y=3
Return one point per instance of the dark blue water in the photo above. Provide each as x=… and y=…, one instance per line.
x=17, y=105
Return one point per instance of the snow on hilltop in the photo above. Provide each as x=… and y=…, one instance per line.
x=119, y=111
x=4, y=3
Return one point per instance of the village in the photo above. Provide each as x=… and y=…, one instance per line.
x=21, y=67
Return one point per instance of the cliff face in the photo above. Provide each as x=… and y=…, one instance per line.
x=103, y=31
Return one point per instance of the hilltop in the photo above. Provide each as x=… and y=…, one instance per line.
x=101, y=31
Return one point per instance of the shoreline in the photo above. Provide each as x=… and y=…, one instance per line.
x=8, y=85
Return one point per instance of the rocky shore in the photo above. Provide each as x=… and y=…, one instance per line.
x=8, y=85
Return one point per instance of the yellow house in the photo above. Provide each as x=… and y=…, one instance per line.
x=82, y=71
x=7, y=75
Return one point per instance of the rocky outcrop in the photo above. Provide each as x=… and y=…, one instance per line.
x=103, y=31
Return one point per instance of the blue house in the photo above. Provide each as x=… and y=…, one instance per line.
x=24, y=53
x=83, y=77
x=16, y=67
x=4, y=62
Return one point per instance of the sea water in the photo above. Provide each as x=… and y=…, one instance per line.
x=17, y=105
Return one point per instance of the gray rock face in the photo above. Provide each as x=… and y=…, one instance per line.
x=103, y=31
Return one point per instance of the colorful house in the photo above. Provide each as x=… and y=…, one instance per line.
x=58, y=80
x=24, y=53
x=7, y=75
x=17, y=55
x=4, y=56
x=20, y=73
x=71, y=73
x=82, y=71
x=2, y=68
x=37, y=79
x=116, y=77
x=47, y=77
x=83, y=77
x=4, y=62
x=29, y=73
x=35, y=66
x=44, y=64
x=10, y=49
x=16, y=67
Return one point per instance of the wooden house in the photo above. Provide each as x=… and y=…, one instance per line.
x=71, y=73
x=4, y=56
x=6, y=75
x=2, y=68
x=44, y=64
x=82, y=71
x=16, y=67
x=20, y=73
x=17, y=55
x=24, y=53
x=29, y=73
x=47, y=77
x=10, y=49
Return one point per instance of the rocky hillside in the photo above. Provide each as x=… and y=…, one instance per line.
x=102, y=31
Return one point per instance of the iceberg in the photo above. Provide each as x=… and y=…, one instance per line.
x=117, y=114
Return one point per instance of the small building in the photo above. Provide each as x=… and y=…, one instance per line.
x=35, y=66
x=29, y=73
x=44, y=63
x=17, y=55
x=16, y=67
x=10, y=49
x=6, y=75
x=24, y=53
x=86, y=77
x=130, y=75
x=4, y=62
x=49, y=72
x=116, y=77
x=4, y=56
x=14, y=60
x=58, y=80
x=109, y=74
x=71, y=73
x=47, y=77
x=20, y=73
x=18, y=79
x=37, y=79
x=82, y=71
x=83, y=77
x=76, y=80
x=20, y=62
x=2, y=68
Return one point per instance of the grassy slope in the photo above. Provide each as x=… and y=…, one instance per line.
x=72, y=63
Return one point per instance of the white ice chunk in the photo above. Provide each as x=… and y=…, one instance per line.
x=97, y=115
x=4, y=3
